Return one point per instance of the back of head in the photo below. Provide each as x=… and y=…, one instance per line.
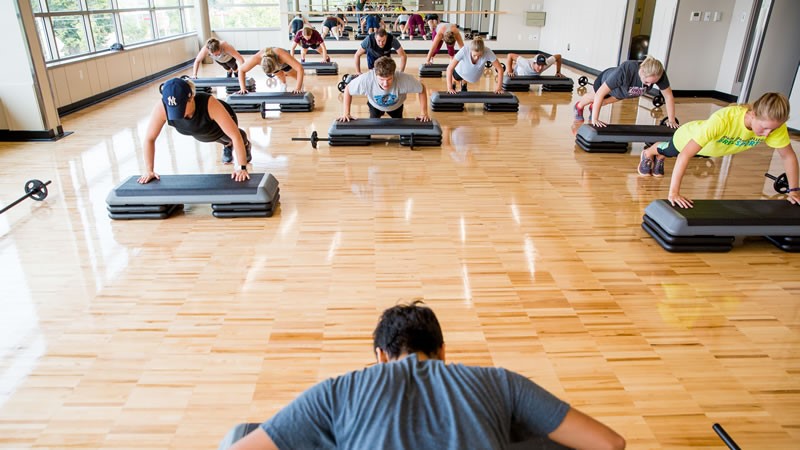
x=772, y=106
x=212, y=44
x=385, y=67
x=652, y=67
x=449, y=38
x=406, y=329
x=269, y=60
x=478, y=45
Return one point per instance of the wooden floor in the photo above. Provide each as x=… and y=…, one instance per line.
x=164, y=334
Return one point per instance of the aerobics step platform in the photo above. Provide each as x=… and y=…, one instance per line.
x=360, y=131
x=615, y=138
x=231, y=84
x=259, y=101
x=432, y=70
x=257, y=197
x=712, y=225
x=445, y=101
x=322, y=68
x=549, y=83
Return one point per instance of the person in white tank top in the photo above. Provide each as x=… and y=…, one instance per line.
x=222, y=53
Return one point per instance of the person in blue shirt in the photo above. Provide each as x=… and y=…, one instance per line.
x=412, y=399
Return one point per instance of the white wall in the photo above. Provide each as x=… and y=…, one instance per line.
x=81, y=79
x=780, y=53
x=587, y=32
x=512, y=33
x=697, y=47
x=794, y=103
x=734, y=46
x=663, y=19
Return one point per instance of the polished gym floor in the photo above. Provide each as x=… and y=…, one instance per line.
x=164, y=334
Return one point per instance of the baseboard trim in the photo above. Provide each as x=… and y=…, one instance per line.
x=33, y=136
x=717, y=95
x=89, y=101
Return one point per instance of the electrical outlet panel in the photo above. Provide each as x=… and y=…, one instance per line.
x=695, y=16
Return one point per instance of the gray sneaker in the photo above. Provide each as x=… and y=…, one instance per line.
x=227, y=155
x=645, y=165
x=658, y=168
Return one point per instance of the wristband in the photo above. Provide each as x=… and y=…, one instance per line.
x=244, y=167
x=794, y=189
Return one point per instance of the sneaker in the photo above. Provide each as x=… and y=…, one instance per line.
x=227, y=155
x=247, y=150
x=302, y=61
x=464, y=87
x=578, y=112
x=454, y=86
x=327, y=59
x=645, y=165
x=658, y=168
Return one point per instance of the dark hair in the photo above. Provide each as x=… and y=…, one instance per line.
x=381, y=32
x=408, y=328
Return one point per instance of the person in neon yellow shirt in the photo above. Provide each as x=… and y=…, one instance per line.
x=730, y=130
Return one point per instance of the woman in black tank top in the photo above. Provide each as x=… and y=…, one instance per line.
x=198, y=115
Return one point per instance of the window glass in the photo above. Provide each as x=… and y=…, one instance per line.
x=70, y=35
x=137, y=26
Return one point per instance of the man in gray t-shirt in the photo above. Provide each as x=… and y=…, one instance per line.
x=412, y=399
x=385, y=89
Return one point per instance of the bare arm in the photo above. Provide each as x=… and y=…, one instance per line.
x=285, y=57
x=450, y=68
x=496, y=64
x=669, y=99
x=158, y=117
x=403, y=59
x=346, y=102
x=258, y=439
x=220, y=115
x=197, y=61
x=323, y=51
x=511, y=59
x=437, y=42
x=580, y=431
x=688, y=152
x=228, y=48
x=792, y=172
x=598, y=103
x=459, y=39
x=357, y=59
x=423, y=105
x=558, y=64
x=255, y=59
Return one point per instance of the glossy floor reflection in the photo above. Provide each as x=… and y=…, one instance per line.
x=163, y=334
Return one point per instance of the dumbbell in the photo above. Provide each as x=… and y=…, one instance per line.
x=658, y=101
x=583, y=81
x=781, y=184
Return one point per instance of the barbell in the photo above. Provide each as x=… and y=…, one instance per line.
x=315, y=138
x=35, y=190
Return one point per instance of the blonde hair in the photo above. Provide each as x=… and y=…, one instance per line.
x=449, y=38
x=772, y=106
x=212, y=44
x=270, y=60
x=477, y=45
x=651, y=67
x=308, y=31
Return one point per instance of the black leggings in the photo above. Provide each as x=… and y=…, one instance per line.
x=375, y=113
x=229, y=65
x=227, y=142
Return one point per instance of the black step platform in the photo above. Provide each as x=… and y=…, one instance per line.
x=159, y=199
x=712, y=225
x=444, y=101
x=231, y=84
x=322, y=68
x=360, y=131
x=519, y=83
x=261, y=102
x=615, y=138
x=432, y=70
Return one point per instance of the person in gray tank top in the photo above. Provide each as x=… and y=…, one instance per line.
x=201, y=116
x=412, y=400
x=222, y=53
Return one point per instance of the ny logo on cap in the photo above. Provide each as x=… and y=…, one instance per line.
x=171, y=101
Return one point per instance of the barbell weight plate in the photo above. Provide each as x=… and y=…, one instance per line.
x=341, y=86
x=36, y=190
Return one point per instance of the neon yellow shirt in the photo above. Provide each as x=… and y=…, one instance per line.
x=724, y=133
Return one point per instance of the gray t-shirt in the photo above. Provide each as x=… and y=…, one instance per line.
x=417, y=404
x=524, y=66
x=468, y=70
x=367, y=84
x=624, y=80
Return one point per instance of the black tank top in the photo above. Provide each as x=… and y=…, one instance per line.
x=201, y=126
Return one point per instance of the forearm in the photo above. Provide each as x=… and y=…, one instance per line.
x=403, y=60
x=149, y=155
x=346, y=100
x=423, y=101
x=790, y=164
x=677, y=173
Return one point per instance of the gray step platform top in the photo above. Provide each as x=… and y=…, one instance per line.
x=625, y=133
x=433, y=67
x=319, y=65
x=283, y=98
x=392, y=127
x=188, y=189
x=221, y=81
x=536, y=79
x=442, y=97
x=727, y=218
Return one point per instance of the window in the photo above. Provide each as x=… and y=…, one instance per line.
x=232, y=14
x=70, y=28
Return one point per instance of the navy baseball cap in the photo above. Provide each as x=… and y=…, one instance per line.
x=175, y=94
x=541, y=60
